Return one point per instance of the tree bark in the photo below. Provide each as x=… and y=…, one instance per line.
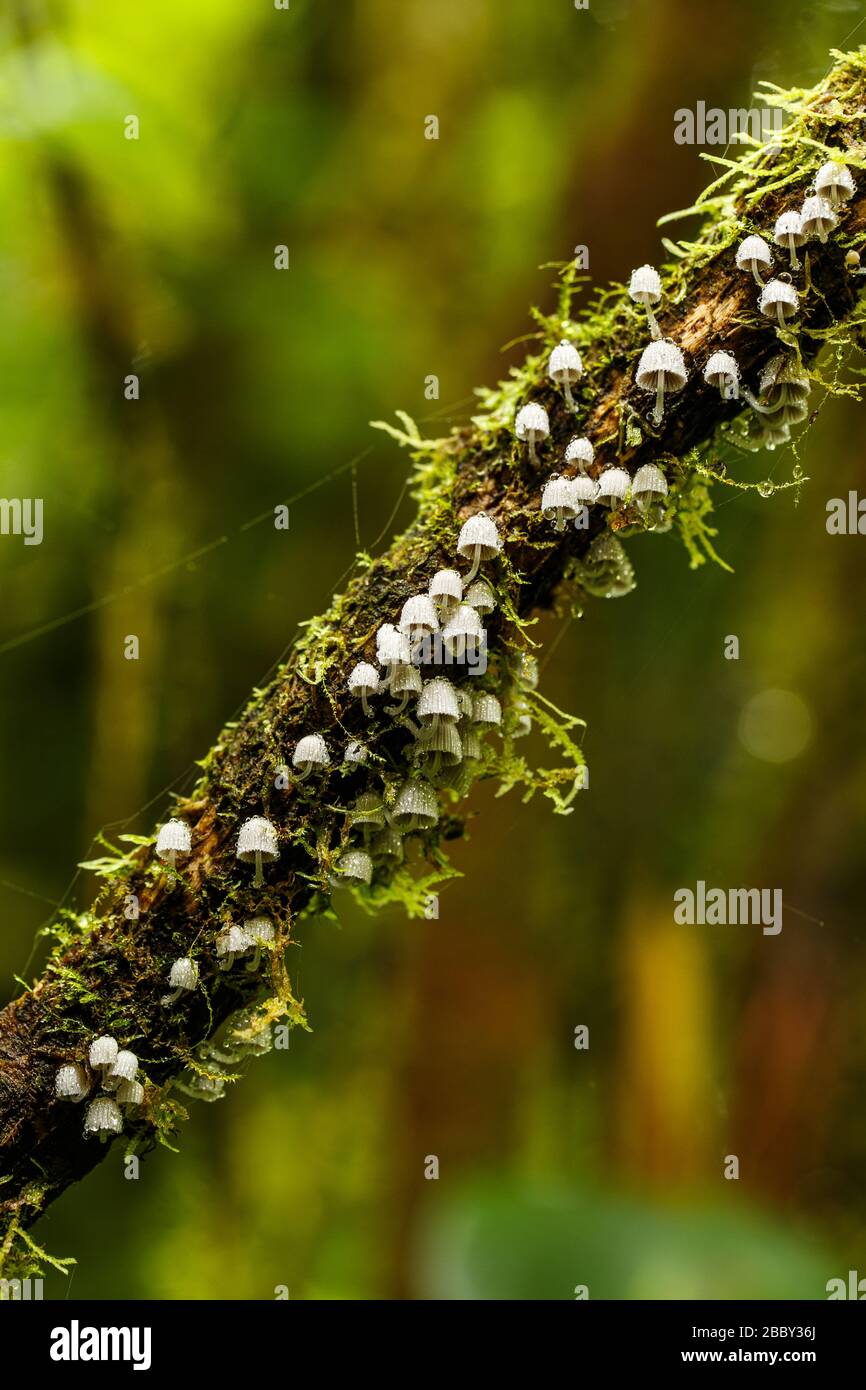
x=109, y=973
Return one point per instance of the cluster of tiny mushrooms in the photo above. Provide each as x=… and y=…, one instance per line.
x=451, y=721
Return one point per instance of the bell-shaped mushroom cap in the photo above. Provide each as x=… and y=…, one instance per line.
x=416, y=806
x=613, y=485
x=233, y=941
x=817, y=216
x=781, y=379
x=71, y=1082
x=406, y=680
x=486, y=711
x=753, y=248
x=392, y=646
x=124, y=1067
x=259, y=930
x=480, y=596
x=438, y=700
x=532, y=419
x=558, y=496
x=565, y=363
x=471, y=746
x=311, y=751
x=103, y=1051
x=363, y=677
x=463, y=622
x=388, y=844
x=368, y=810
x=585, y=488
x=183, y=974
x=579, y=451
x=419, y=612
x=649, y=479
x=479, y=530
x=661, y=358
x=834, y=182
x=356, y=752
x=645, y=286
x=130, y=1093
x=103, y=1117
x=787, y=226
x=173, y=838
x=257, y=836
x=446, y=584
x=355, y=866
x=444, y=742
x=775, y=293
x=720, y=368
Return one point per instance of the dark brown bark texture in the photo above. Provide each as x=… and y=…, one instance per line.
x=118, y=965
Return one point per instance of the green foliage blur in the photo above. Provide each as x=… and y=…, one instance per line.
x=451, y=1038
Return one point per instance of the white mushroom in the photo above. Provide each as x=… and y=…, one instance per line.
x=565, y=367
x=363, y=681
x=355, y=867
x=646, y=289
x=661, y=368
x=257, y=842
x=416, y=807
x=173, y=839
x=817, y=218
x=310, y=755
x=463, y=632
x=532, y=425
x=446, y=590
x=260, y=931
x=71, y=1082
x=613, y=486
x=478, y=540
x=789, y=233
x=723, y=372
x=834, y=182
x=182, y=976
x=232, y=942
x=752, y=253
x=103, y=1118
x=778, y=300
x=558, y=502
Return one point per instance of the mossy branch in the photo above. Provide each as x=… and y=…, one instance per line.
x=109, y=968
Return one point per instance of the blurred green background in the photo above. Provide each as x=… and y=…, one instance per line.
x=454, y=1037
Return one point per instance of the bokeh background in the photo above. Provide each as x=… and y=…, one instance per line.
x=454, y=1037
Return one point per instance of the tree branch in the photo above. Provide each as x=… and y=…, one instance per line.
x=108, y=972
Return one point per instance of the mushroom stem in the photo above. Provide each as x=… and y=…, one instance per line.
x=256, y=960
x=758, y=280
x=474, y=570
x=566, y=388
x=168, y=999
x=780, y=315
x=792, y=247
x=302, y=777
x=655, y=331
x=436, y=763
x=364, y=706
x=171, y=857
x=660, y=400
x=258, y=878
x=560, y=518
x=755, y=403
x=398, y=709
x=228, y=962
x=530, y=439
